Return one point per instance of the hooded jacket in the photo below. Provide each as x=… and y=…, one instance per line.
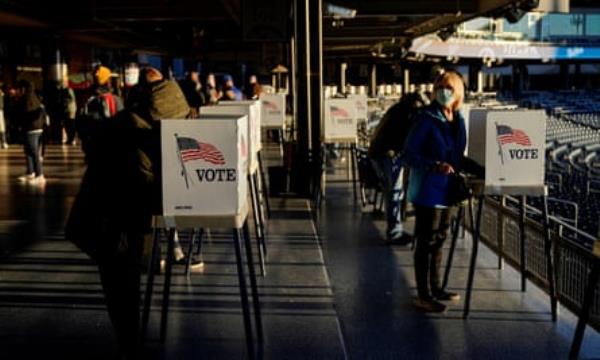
x=29, y=108
x=120, y=190
x=431, y=140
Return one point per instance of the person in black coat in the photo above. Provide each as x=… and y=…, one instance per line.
x=30, y=116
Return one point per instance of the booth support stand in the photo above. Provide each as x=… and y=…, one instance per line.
x=476, y=234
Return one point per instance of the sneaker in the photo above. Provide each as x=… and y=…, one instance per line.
x=446, y=296
x=5, y=146
x=27, y=177
x=403, y=240
x=430, y=305
x=38, y=180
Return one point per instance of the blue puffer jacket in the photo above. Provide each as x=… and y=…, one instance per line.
x=433, y=139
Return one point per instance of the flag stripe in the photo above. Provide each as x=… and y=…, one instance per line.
x=190, y=149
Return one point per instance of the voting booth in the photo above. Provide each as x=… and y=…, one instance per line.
x=240, y=110
x=204, y=166
x=273, y=110
x=254, y=112
x=340, y=121
x=360, y=102
x=511, y=146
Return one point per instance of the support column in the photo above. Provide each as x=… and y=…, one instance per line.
x=343, y=68
x=373, y=80
x=316, y=90
x=300, y=177
x=406, y=81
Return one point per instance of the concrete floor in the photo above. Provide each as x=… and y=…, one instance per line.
x=338, y=295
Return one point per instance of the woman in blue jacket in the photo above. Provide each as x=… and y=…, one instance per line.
x=433, y=151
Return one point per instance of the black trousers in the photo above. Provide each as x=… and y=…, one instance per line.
x=431, y=229
x=120, y=275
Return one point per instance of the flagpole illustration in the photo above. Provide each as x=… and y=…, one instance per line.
x=499, y=145
x=183, y=170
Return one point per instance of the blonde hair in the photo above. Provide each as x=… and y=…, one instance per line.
x=455, y=80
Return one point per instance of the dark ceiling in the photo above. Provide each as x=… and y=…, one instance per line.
x=189, y=27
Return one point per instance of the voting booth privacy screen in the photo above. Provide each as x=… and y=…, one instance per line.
x=511, y=146
x=204, y=166
x=273, y=110
x=339, y=123
x=360, y=101
x=239, y=110
x=252, y=108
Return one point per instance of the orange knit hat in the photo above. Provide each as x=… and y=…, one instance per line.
x=102, y=75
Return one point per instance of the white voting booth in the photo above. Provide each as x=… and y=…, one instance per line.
x=340, y=121
x=360, y=101
x=273, y=110
x=254, y=112
x=253, y=125
x=204, y=166
x=511, y=146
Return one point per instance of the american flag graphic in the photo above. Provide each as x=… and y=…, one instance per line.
x=190, y=149
x=507, y=135
x=338, y=112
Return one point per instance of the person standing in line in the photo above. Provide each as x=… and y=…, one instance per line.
x=192, y=89
x=253, y=90
x=30, y=115
x=68, y=110
x=384, y=151
x=230, y=91
x=100, y=107
x=434, y=151
x=3, y=142
x=211, y=93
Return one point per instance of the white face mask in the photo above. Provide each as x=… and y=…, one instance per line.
x=444, y=97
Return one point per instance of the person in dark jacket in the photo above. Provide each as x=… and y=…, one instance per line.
x=384, y=152
x=100, y=107
x=119, y=194
x=30, y=116
x=434, y=150
x=192, y=89
x=230, y=91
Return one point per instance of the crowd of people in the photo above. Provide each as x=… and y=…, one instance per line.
x=64, y=117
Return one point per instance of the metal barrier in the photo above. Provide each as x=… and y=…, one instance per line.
x=573, y=253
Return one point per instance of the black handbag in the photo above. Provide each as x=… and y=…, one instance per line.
x=458, y=189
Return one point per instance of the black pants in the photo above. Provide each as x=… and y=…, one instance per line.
x=430, y=230
x=120, y=275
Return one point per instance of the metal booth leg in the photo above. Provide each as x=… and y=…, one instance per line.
x=475, y=228
x=523, y=235
x=243, y=293
x=200, y=233
x=154, y=258
x=353, y=169
x=164, y=316
x=253, y=284
x=549, y=260
x=188, y=262
x=590, y=292
x=257, y=229
x=263, y=185
x=452, y=245
x=261, y=220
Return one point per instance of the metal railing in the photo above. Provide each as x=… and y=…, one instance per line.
x=572, y=251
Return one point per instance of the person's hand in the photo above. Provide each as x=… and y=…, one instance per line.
x=445, y=168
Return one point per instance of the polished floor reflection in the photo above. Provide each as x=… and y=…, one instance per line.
x=338, y=295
